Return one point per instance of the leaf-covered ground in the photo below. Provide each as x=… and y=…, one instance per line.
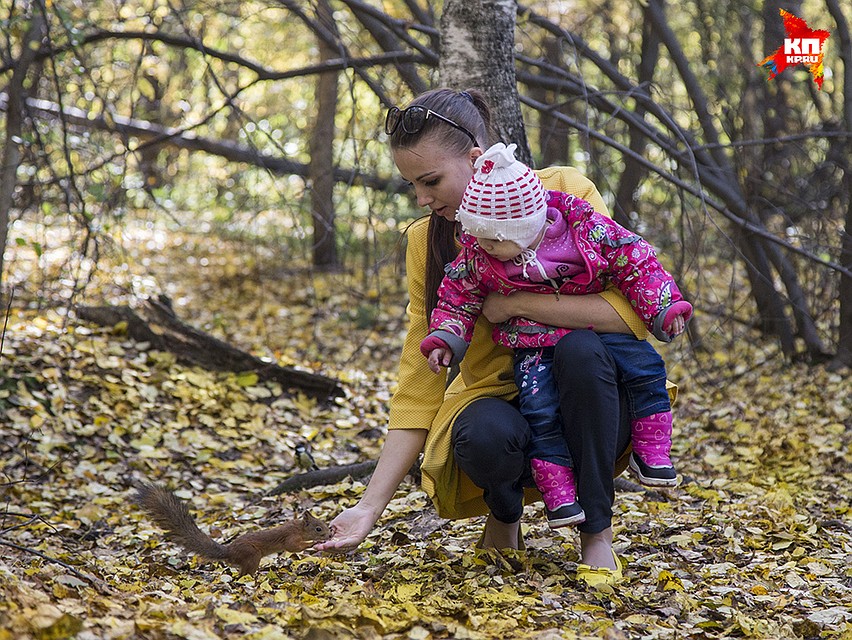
x=756, y=542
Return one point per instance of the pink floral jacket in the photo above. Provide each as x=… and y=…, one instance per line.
x=610, y=253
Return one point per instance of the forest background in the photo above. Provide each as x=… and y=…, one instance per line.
x=202, y=229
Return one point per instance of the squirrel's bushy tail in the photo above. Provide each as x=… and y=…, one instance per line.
x=171, y=513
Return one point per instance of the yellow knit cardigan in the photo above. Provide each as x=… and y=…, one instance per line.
x=422, y=400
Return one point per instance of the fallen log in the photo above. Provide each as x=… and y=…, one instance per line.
x=623, y=484
x=166, y=332
x=328, y=475
x=333, y=475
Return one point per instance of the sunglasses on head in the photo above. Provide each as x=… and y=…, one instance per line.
x=413, y=118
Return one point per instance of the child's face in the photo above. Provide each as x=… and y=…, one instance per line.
x=502, y=250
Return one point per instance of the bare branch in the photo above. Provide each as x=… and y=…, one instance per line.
x=329, y=475
x=183, y=139
x=263, y=73
x=400, y=27
x=689, y=188
x=331, y=40
x=610, y=71
x=92, y=580
x=388, y=40
x=426, y=16
x=807, y=135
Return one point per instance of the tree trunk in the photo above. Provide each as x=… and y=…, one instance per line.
x=770, y=307
x=11, y=156
x=843, y=357
x=150, y=107
x=766, y=297
x=477, y=51
x=321, y=170
x=625, y=195
x=553, y=133
x=775, y=106
x=770, y=303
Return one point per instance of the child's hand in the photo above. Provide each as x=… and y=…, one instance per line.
x=437, y=352
x=676, y=327
x=676, y=318
x=439, y=358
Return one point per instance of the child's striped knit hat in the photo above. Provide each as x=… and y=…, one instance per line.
x=504, y=200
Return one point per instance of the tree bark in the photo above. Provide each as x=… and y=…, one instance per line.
x=553, y=132
x=321, y=170
x=634, y=173
x=477, y=51
x=10, y=159
x=843, y=357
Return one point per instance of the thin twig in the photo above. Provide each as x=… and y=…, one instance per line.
x=6, y=319
x=765, y=142
x=92, y=580
x=20, y=525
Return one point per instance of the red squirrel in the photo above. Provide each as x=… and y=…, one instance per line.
x=244, y=551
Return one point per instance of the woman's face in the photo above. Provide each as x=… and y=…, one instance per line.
x=439, y=178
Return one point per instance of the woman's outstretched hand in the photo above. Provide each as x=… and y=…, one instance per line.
x=350, y=528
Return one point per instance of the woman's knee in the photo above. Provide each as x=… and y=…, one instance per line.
x=489, y=428
x=581, y=354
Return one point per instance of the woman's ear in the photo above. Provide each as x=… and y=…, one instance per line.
x=474, y=154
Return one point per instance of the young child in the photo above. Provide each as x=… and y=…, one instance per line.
x=518, y=236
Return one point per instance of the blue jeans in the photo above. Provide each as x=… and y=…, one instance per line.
x=538, y=401
x=641, y=375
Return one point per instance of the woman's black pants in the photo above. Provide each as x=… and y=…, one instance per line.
x=490, y=436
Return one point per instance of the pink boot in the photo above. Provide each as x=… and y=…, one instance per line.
x=652, y=442
x=559, y=491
